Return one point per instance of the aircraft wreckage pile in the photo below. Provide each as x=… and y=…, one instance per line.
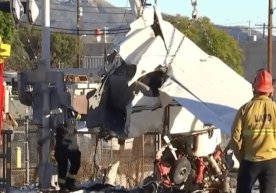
x=167, y=84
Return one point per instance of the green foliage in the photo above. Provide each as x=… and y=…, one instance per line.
x=26, y=49
x=26, y=43
x=63, y=50
x=19, y=58
x=62, y=46
x=210, y=39
x=7, y=29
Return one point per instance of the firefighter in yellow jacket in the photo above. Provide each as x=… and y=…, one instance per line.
x=254, y=138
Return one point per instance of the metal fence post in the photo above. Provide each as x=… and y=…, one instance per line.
x=27, y=155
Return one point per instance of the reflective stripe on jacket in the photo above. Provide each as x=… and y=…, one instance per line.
x=254, y=130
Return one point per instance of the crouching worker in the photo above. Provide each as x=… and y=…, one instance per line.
x=67, y=154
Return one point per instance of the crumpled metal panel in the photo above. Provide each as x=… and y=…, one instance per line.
x=203, y=84
x=207, y=90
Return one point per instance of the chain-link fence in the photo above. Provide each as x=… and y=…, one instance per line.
x=135, y=159
x=24, y=154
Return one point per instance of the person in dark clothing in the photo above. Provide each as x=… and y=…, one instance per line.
x=67, y=152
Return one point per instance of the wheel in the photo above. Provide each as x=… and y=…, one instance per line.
x=180, y=171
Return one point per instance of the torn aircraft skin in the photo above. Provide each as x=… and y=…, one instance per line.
x=164, y=80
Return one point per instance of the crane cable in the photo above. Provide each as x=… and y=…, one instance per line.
x=193, y=18
x=200, y=21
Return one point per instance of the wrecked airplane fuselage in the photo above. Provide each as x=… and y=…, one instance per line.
x=115, y=107
x=165, y=81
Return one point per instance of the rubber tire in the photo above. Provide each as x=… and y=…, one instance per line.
x=176, y=173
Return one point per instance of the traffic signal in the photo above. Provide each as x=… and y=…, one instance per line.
x=31, y=93
x=18, y=9
x=32, y=10
x=5, y=6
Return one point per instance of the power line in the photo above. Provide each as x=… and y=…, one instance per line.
x=111, y=30
x=120, y=26
x=85, y=30
x=105, y=22
x=73, y=31
x=102, y=13
x=95, y=7
x=235, y=23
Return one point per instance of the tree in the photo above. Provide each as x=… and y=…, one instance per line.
x=210, y=39
x=7, y=31
x=18, y=59
x=25, y=43
x=63, y=48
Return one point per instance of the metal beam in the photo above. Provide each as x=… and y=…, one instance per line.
x=44, y=173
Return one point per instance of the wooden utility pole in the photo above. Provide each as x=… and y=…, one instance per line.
x=269, y=48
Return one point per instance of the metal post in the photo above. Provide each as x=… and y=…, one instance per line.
x=157, y=139
x=44, y=181
x=18, y=156
x=105, y=35
x=44, y=175
x=143, y=156
x=78, y=34
x=263, y=30
x=249, y=29
x=269, y=48
x=45, y=55
x=8, y=159
x=27, y=155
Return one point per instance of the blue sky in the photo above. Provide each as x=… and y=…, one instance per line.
x=223, y=12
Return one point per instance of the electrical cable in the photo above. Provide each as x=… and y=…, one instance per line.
x=95, y=7
x=106, y=22
x=110, y=31
x=72, y=33
x=102, y=13
x=119, y=27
